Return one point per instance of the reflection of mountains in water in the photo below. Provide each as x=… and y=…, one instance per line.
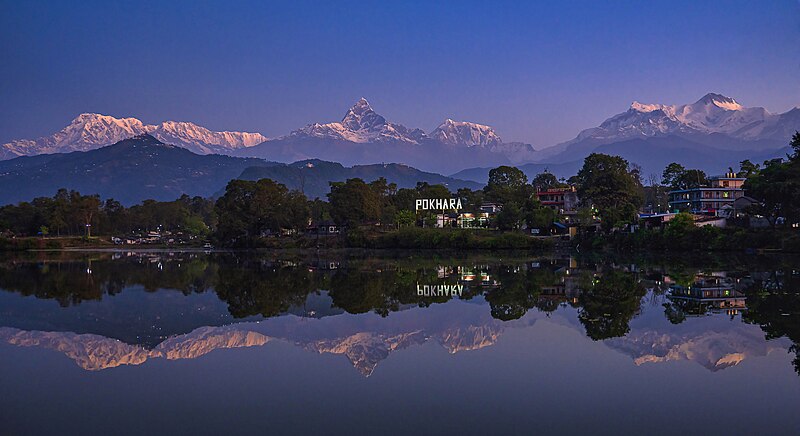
x=364, y=339
x=367, y=339
x=713, y=349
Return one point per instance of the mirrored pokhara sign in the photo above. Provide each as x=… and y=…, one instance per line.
x=438, y=204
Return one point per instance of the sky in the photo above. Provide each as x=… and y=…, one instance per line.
x=539, y=72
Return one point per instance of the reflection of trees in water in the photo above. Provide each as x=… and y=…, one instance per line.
x=607, y=297
x=253, y=287
x=608, y=302
x=72, y=281
x=774, y=305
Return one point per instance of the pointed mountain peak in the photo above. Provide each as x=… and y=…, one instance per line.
x=720, y=101
x=361, y=116
x=362, y=104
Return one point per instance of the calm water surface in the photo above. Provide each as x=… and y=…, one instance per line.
x=193, y=343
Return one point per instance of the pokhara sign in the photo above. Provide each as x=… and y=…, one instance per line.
x=438, y=204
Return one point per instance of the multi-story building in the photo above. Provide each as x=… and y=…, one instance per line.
x=563, y=200
x=720, y=194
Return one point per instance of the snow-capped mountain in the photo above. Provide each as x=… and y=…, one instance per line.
x=91, y=131
x=360, y=124
x=201, y=140
x=714, y=113
x=466, y=134
x=363, y=137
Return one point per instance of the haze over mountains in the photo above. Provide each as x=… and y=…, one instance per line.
x=713, y=133
x=143, y=167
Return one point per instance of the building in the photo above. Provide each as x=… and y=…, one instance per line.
x=720, y=194
x=709, y=294
x=326, y=227
x=563, y=200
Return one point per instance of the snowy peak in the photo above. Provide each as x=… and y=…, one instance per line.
x=89, y=131
x=362, y=117
x=201, y=140
x=361, y=124
x=465, y=134
x=713, y=113
x=719, y=101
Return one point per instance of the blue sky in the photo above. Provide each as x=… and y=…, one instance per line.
x=537, y=72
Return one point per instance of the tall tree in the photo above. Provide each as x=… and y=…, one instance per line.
x=612, y=187
x=508, y=185
x=353, y=202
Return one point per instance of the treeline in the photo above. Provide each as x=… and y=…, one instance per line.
x=69, y=213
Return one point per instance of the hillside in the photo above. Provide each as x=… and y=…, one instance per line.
x=312, y=177
x=129, y=171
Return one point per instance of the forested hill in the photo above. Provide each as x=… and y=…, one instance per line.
x=129, y=171
x=142, y=168
x=312, y=177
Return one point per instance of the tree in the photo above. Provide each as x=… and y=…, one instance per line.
x=247, y=209
x=353, y=202
x=678, y=177
x=509, y=218
x=795, y=144
x=545, y=181
x=612, y=187
x=748, y=169
x=405, y=218
x=777, y=187
x=672, y=173
x=692, y=179
x=608, y=303
x=508, y=185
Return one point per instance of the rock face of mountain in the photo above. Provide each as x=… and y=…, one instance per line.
x=361, y=125
x=129, y=171
x=714, y=113
x=365, y=137
x=465, y=134
x=92, y=131
x=312, y=177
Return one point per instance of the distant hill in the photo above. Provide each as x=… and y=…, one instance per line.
x=129, y=171
x=312, y=176
x=143, y=168
x=651, y=154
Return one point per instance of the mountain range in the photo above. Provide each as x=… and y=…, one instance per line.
x=92, y=131
x=713, y=133
x=143, y=167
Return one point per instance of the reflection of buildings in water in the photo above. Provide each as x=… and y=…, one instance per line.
x=713, y=293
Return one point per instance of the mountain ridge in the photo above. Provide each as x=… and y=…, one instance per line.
x=89, y=131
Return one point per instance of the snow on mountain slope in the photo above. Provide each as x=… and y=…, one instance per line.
x=201, y=140
x=360, y=124
x=714, y=113
x=466, y=134
x=91, y=131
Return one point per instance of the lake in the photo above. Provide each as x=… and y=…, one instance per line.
x=398, y=343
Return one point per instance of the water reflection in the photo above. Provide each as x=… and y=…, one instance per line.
x=115, y=309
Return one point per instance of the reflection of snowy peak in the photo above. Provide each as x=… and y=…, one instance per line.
x=92, y=131
x=360, y=124
x=712, y=349
x=365, y=350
